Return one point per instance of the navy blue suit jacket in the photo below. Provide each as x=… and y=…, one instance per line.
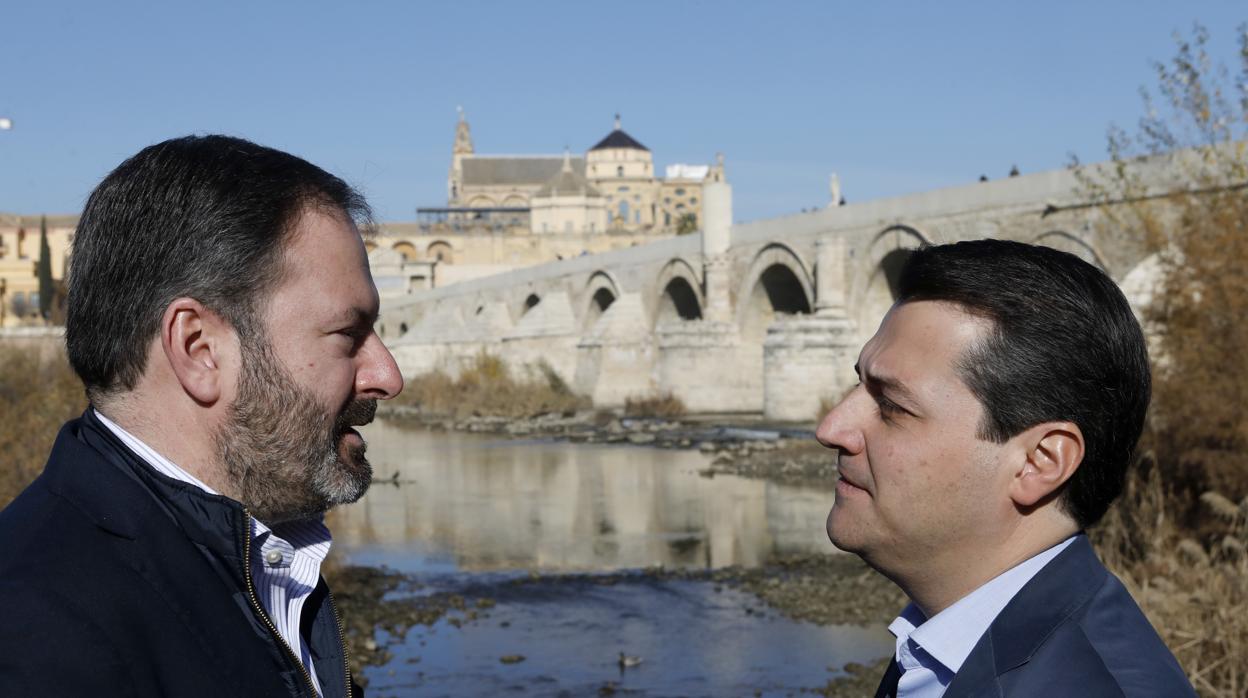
x=1073, y=630
x=118, y=581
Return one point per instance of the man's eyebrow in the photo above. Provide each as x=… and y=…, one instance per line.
x=356, y=317
x=892, y=385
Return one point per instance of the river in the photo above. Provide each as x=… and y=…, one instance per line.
x=466, y=511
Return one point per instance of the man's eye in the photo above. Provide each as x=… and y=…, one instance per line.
x=888, y=409
x=355, y=334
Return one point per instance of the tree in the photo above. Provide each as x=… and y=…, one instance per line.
x=1183, y=522
x=46, y=287
x=1197, y=229
x=687, y=223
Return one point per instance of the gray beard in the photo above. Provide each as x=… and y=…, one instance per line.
x=282, y=450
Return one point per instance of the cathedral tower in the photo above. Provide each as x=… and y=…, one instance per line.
x=463, y=146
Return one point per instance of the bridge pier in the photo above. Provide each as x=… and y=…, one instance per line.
x=700, y=362
x=546, y=333
x=615, y=359
x=804, y=363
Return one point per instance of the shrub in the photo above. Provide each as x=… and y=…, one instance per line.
x=486, y=387
x=37, y=395
x=665, y=406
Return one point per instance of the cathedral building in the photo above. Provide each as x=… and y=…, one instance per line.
x=611, y=188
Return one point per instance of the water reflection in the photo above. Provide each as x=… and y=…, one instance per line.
x=479, y=503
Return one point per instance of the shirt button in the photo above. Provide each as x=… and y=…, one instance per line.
x=273, y=557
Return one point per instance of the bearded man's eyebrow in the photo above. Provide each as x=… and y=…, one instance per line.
x=355, y=317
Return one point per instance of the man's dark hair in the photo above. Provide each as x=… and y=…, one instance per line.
x=205, y=217
x=1064, y=346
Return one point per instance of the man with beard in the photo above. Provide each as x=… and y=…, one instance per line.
x=220, y=315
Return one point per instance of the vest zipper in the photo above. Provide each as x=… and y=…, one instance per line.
x=255, y=604
x=342, y=638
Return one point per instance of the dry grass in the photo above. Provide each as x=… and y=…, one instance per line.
x=37, y=396
x=488, y=388
x=665, y=406
x=1194, y=588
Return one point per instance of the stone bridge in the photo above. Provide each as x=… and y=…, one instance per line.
x=760, y=317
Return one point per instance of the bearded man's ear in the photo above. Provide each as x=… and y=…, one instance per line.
x=194, y=341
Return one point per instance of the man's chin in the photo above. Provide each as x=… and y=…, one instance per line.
x=352, y=477
x=841, y=531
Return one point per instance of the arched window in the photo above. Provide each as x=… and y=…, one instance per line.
x=440, y=252
x=619, y=171
x=406, y=249
x=624, y=211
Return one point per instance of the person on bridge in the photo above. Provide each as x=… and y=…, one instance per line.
x=220, y=316
x=996, y=415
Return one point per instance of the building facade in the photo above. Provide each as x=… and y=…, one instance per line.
x=19, y=264
x=612, y=187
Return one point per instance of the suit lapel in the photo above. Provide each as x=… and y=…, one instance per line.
x=888, y=684
x=1044, y=603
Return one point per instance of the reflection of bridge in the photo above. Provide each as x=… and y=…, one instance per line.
x=765, y=316
x=576, y=507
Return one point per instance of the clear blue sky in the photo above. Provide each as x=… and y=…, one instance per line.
x=896, y=97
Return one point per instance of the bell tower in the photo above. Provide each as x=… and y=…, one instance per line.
x=463, y=146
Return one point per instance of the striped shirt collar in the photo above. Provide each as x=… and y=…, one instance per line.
x=309, y=534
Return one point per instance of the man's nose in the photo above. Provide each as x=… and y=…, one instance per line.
x=841, y=428
x=378, y=375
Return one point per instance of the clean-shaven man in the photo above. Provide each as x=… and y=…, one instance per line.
x=997, y=411
x=220, y=315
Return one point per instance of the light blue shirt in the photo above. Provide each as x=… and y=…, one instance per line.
x=930, y=651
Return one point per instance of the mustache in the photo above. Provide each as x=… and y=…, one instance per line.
x=358, y=413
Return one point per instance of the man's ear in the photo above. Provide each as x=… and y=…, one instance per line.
x=194, y=340
x=1051, y=452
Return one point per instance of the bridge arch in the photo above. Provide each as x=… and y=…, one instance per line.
x=778, y=282
x=1069, y=242
x=885, y=257
x=678, y=293
x=600, y=292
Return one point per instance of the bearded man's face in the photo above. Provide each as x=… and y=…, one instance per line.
x=285, y=452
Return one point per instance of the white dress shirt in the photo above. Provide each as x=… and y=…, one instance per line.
x=285, y=560
x=930, y=651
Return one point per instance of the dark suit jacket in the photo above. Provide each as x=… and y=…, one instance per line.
x=1073, y=630
x=118, y=581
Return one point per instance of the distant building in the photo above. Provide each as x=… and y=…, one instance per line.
x=613, y=187
x=19, y=259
